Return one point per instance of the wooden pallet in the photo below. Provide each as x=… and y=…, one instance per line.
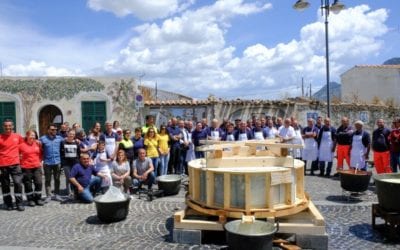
x=309, y=221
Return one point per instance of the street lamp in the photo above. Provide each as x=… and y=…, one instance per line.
x=326, y=7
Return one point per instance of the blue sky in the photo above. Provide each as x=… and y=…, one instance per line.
x=229, y=48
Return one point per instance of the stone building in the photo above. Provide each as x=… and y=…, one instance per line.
x=35, y=102
x=372, y=84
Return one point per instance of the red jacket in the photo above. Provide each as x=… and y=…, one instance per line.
x=9, y=149
x=31, y=154
x=394, y=139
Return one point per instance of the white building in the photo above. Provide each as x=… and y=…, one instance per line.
x=371, y=83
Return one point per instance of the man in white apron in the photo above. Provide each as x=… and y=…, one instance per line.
x=270, y=131
x=310, y=150
x=244, y=133
x=230, y=133
x=286, y=132
x=258, y=131
x=111, y=140
x=360, y=147
x=214, y=132
x=326, y=147
x=298, y=139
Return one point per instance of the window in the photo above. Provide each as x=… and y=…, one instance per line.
x=93, y=112
x=7, y=111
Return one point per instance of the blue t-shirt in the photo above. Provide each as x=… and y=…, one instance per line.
x=83, y=174
x=51, y=149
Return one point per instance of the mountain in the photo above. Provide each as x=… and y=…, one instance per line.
x=392, y=61
x=335, y=92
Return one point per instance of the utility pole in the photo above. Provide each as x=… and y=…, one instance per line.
x=302, y=86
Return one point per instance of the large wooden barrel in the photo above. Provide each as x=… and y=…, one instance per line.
x=260, y=186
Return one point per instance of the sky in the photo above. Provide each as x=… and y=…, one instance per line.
x=254, y=49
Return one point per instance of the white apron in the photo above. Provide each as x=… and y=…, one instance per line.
x=190, y=152
x=271, y=133
x=215, y=135
x=298, y=139
x=243, y=137
x=258, y=136
x=357, y=158
x=230, y=137
x=325, y=148
x=310, y=150
x=103, y=168
x=110, y=145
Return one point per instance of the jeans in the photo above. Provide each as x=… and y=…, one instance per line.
x=50, y=170
x=35, y=175
x=164, y=164
x=394, y=161
x=15, y=173
x=91, y=189
x=154, y=160
x=199, y=154
x=149, y=181
x=174, y=163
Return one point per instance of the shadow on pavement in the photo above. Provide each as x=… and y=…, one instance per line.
x=364, y=231
x=345, y=199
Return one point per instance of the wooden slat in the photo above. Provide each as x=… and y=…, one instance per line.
x=210, y=188
x=247, y=192
x=227, y=190
x=268, y=193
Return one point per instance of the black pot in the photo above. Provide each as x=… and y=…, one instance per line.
x=354, y=180
x=388, y=191
x=170, y=184
x=112, y=211
x=250, y=235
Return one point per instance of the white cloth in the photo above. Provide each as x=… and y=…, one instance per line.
x=230, y=137
x=258, y=135
x=325, y=147
x=103, y=168
x=357, y=153
x=110, y=145
x=215, y=135
x=310, y=150
x=298, y=139
x=286, y=133
x=190, y=152
x=243, y=137
x=271, y=132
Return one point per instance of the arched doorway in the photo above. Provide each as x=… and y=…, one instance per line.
x=49, y=114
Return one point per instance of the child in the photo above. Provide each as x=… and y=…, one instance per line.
x=101, y=162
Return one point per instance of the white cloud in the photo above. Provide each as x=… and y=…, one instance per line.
x=35, y=68
x=145, y=10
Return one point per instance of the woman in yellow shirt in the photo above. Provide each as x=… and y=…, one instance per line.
x=163, y=140
x=151, y=145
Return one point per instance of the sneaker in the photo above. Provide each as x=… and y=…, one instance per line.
x=8, y=207
x=47, y=199
x=31, y=203
x=57, y=198
x=20, y=207
x=39, y=202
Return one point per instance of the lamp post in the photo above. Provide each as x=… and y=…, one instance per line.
x=326, y=7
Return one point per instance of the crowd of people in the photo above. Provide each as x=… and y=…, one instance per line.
x=93, y=162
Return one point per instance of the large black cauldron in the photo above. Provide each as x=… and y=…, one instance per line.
x=112, y=211
x=354, y=180
x=170, y=184
x=388, y=191
x=250, y=235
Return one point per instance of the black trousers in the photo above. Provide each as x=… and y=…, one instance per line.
x=33, y=176
x=174, y=163
x=55, y=171
x=15, y=173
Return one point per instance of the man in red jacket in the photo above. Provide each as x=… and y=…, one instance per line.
x=394, y=139
x=10, y=166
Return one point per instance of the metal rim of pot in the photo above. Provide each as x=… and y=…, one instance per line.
x=275, y=226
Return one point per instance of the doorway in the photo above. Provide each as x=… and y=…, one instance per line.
x=49, y=114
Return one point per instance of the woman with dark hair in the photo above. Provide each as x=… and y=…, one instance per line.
x=31, y=164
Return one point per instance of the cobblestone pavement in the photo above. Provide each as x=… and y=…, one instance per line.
x=149, y=224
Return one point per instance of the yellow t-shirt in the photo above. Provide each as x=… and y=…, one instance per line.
x=151, y=146
x=163, y=143
x=146, y=128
